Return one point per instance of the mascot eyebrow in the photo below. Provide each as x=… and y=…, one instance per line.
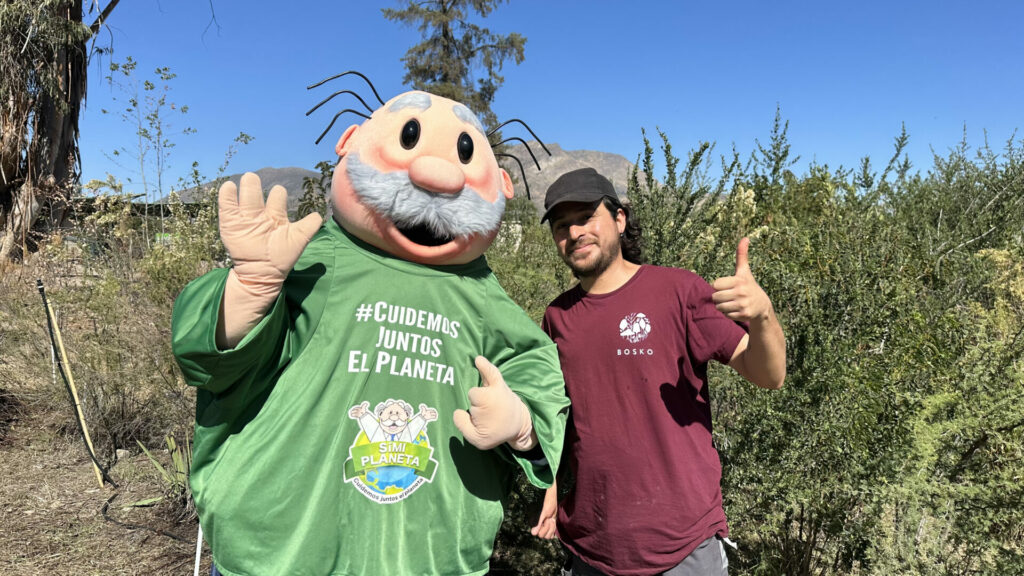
x=421, y=102
x=412, y=100
x=464, y=114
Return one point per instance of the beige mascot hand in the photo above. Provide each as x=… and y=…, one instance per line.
x=496, y=414
x=264, y=246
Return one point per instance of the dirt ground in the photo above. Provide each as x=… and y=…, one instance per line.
x=51, y=519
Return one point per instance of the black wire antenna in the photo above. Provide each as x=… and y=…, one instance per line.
x=346, y=73
x=340, y=92
x=526, y=145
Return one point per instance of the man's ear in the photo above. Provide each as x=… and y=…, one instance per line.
x=506, y=185
x=620, y=220
x=345, y=142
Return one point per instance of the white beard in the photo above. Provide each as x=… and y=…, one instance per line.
x=393, y=196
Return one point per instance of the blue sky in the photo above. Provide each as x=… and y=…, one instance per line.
x=845, y=75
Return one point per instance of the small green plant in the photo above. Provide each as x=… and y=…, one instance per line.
x=174, y=479
x=314, y=191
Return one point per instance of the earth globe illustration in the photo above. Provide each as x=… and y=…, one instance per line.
x=390, y=479
x=387, y=480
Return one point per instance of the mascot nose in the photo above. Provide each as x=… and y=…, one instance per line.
x=437, y=175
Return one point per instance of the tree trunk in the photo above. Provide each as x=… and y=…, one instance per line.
x=23, y=212
x=41, y=176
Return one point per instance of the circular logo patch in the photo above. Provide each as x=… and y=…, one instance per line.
x=635, y=327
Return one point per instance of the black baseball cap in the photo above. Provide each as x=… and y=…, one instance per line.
x=583, y=185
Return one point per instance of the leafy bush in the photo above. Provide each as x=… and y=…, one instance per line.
x=897, y=441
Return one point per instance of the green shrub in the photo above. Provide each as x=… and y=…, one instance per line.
x=896, y=443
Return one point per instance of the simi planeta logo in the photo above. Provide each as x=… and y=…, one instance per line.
x=391, y=456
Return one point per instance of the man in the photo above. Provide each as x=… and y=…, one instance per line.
x=634, y=341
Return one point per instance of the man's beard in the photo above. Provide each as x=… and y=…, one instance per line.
x=594, y=268
x=425, y=217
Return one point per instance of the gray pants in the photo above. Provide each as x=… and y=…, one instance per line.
x=707, y=560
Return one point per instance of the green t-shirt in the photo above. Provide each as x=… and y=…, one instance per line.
x=324, y=441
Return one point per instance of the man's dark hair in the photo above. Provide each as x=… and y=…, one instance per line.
x=631, y=241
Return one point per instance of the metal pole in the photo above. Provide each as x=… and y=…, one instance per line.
x=71, y=382
x=199, y=550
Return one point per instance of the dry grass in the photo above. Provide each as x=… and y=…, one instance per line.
x=51, y=507
x=50, y=510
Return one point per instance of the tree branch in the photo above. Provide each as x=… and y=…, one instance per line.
x=978, y=444
x=103, y=16
x=213, y=20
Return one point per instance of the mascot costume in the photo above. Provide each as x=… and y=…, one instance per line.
x=365, y=387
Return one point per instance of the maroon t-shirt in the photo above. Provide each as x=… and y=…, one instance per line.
x=648, y=480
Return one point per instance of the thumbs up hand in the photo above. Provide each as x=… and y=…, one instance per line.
x=738, y=296
x=496, y=414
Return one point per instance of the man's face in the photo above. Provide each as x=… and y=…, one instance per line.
x=419, y=180
x=587, y=236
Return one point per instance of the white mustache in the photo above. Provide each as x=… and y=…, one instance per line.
x=393, y=196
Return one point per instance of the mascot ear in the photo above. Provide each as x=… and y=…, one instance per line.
x=506, y=185
x=344, y=143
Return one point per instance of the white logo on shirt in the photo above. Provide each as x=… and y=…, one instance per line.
x=635, y=327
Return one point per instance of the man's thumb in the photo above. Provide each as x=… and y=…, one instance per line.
x=741, y=256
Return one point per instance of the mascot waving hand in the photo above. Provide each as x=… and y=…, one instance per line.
x=365, y=387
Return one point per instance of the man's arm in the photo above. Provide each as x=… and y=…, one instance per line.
x=760, y=357
x=545, y=527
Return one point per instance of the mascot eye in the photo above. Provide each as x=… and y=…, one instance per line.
x=410, y=134
x=465, y=148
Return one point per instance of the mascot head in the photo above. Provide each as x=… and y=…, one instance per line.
x=418, y=179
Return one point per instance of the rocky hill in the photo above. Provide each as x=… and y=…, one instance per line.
x=614, y=166
x=290, y=178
